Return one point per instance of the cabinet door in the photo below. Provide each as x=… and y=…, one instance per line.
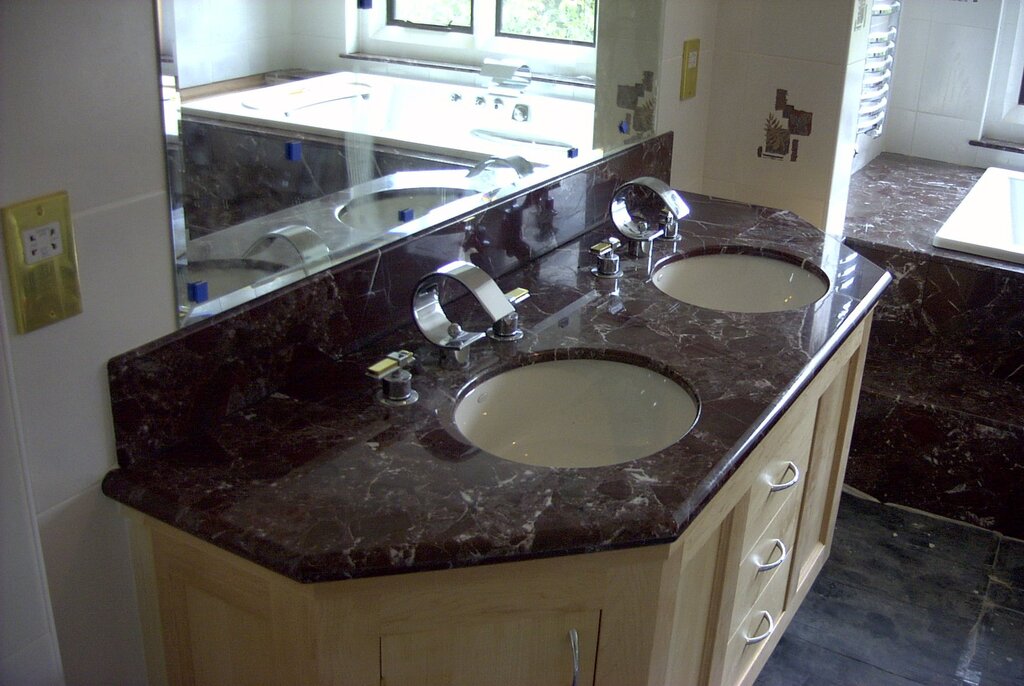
x=517, y=650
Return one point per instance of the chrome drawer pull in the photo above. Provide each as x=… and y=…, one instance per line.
x=783, y=554
x=574, y=643
x=788, y=484
x=754, y=640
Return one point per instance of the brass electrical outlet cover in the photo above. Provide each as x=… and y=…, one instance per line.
x=44, y=278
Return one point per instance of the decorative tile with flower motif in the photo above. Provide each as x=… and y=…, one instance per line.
x=779, y=131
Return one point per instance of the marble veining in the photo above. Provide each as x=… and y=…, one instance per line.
x=319, y=481
x=940, y=421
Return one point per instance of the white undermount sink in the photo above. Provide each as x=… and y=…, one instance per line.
x=741, y=282
x=576, y=413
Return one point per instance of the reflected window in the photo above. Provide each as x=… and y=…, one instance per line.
x=564, y=21
x=437, y=15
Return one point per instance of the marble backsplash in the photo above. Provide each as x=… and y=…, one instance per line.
x=236, y=172
x=173, y=388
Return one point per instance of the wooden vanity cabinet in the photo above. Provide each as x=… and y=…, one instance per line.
x=707, y=609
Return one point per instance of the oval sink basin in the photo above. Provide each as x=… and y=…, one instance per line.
x=741, y=282
x=576, y=413
x=387, y=209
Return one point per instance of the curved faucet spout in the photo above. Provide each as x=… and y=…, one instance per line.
x=435, y=325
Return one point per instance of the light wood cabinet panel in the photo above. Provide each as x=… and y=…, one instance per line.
x=507, y=652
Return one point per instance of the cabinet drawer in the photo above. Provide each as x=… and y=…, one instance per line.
x=756, y=629
x=768, y=557
x=785, y=455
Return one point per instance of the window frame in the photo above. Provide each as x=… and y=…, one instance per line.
x=391, y=21
x=374, y=36
x=1004, y=111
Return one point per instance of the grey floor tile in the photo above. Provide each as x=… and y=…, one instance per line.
x=894, y=528
x=923, y=644
x=908, y=599
x=1001, y=645
x=1007, y=587
x=796, y=662
x=907, y=573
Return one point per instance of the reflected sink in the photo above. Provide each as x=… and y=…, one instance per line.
x=386, y=209
x=742, y=282
x=228, y=275
x=525, y=138
x=576, y=413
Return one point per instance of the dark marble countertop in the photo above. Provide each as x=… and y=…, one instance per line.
x=898, y=202
x=320, y=482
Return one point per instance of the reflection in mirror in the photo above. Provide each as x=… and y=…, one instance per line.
x=302, y=133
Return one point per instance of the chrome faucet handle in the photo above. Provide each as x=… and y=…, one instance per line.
x=607, y=259
x=396, y=381
x=434, y=324
x=640, y=232
x=507, y=328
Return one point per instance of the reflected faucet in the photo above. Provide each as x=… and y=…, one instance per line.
x=449, y=336
x=521, y=165
x=311, y=248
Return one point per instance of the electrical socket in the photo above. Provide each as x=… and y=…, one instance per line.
x=42, y=242
x=41, y=261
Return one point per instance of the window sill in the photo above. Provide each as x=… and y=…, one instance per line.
x=579, y=82
x=998, y=144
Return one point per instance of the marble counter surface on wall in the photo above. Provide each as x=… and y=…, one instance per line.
x=319, y=481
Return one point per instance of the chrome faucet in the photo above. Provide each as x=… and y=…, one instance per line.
x=507, y=76
x=640, y=233
x=521, y=165
x=449, y=336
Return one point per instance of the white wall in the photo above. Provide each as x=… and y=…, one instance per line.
x=805, y=48
x=685, y=20
x=227, y=39
x=82, y=116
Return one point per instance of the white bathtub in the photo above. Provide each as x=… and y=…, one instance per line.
x=416, y=115
x=990, y=219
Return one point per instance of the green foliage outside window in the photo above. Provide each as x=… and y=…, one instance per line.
x=563, y=20
x=559, y=20
x=440, y=13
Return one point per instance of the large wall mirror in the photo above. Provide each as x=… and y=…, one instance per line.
x=301, y=133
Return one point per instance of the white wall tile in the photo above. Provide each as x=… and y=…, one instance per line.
x=943, y=138
x=79, y=132
x=899, y=130
x=955, y=79
x=910, y=62
x=85, y=543
x=60, y=369
x=725, y=113
x=28, y=641
x=983, y=14
x=96, y=131
x=815, y=30
x=917, y=9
